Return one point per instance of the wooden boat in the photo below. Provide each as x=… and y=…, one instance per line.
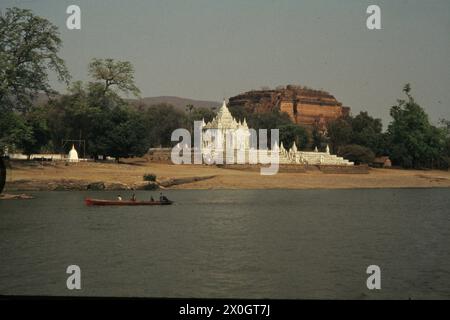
x=98, y=202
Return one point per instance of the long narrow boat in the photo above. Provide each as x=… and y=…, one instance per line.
x=98, y=202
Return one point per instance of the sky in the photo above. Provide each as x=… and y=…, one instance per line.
x=211, y=49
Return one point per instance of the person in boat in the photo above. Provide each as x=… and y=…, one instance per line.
x=119, y=198
x=163, y=198
x=151, y=199
x=133, y=197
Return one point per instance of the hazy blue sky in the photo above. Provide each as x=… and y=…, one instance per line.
x=210, y=49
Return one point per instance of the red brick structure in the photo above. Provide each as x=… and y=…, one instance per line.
x=304, y=105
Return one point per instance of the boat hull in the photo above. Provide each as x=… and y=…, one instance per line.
x=99, y=202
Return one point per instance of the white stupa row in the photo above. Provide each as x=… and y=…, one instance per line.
x=295, y=156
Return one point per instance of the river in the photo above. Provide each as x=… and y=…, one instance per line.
x=298, y=244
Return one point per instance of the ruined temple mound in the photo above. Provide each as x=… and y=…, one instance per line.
x=304, y=105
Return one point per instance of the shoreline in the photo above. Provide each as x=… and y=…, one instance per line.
x=19, y=193
x=28, y=176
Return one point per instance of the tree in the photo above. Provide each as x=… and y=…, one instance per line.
x=110, y=73
x=2, y=174
x=127, y=135
x=29, y=48
x=446, y=156
x=189, y=108
x=356, y=153
x=15, y=132
x=318, y=139
x=89, y=112
x=367, y=131
x=197, y=114
x=161, y=120
x=446, y=129
x=241, y=113
x=291, y=133
x=413, y=141
x=362, y=130
x=339, y=132
x=74, y=116
x=36, y=120
x=268, y=120
x=202, y=114
x=28, y=133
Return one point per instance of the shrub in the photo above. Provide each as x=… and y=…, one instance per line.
x=151, y=186
x=149, y=177
x=356, y=153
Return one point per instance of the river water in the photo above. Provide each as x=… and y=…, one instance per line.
x=231, y=243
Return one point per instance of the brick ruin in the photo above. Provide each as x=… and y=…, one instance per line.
x=303, y=105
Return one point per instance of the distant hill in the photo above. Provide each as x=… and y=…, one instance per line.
x=177, y=102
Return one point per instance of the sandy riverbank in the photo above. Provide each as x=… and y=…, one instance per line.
x=28, y=176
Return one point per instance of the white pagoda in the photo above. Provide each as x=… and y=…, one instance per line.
x=73, y=155
x=224, y=132
x=224, y=136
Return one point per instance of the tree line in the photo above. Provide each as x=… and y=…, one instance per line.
x=112, y=126
x=411, y=140
x=108, y=124
x=93, y=112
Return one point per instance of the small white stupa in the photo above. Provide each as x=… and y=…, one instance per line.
x=73, y=155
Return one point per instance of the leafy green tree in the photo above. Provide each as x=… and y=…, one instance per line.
x=446, y=129
x=318, y=139
x=268, y=120
x=356, y=153
x=90, y=112
x=15, y=132
x=413, y=141
x=28, y=134
x=291, y=133
x=446, y=157
x=202, y=114
x=36, y=121
x=80, y=112
x=73, y=116
x=241, y=113
x=339, y=132
x=29, y=48
x=113, y=74
x=367, y=131
x=189, y=108
x=161, y=120
x=126, y=136
x=362, y=130
x=196, y=114
x=2, y=174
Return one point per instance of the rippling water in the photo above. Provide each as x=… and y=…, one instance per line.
x=231, y=243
